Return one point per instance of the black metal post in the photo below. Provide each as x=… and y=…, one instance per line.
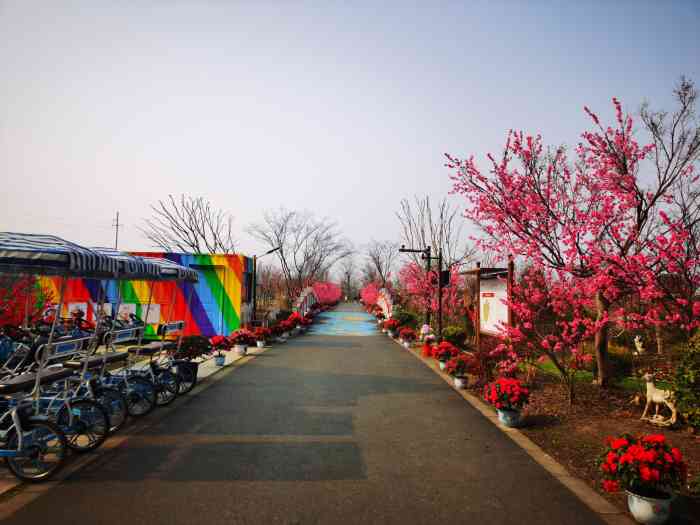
x=255, y=289
x=427, y=275
x=440, y=296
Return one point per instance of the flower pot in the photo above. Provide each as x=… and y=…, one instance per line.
x=384, y=330
x=379, y=321
x=391, y=334
x=280, y=339
x=219, y=360
x=260, y=344
x=461, y=382
x=241, y=349
x=509, y=418
x=443, y=364
x=407, y=344
x=652, y=511
x=286, y=335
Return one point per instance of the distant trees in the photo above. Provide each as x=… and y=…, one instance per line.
x=310, y=246
x=189, y=224
x=440, y=227
x=380, y=259
x=348, y=277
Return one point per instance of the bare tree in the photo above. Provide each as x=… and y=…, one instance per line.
x=189, y=224
x=676, y=139
x=381, y=256
x=439, y=227
x=348, y=278
x=310, y=246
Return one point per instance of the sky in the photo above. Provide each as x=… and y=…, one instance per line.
x=338, y=108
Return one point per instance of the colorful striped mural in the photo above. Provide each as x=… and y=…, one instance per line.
x=215, y=302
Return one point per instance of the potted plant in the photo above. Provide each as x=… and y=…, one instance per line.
x=191, y=347
x=294, y=321
x=509, y=396
x=648, y=469
x=278, y=332
x=240, y=340
x=391, y=326
x=220, y=343
x=407, y=335
x=262, y=335
x=444, y=352
x=459, y=366
x=286, y=329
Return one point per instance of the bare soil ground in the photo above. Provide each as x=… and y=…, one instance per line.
x=575, y=435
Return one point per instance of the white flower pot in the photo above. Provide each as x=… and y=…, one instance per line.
x=281, y=339
x=391, y=334
x=650, y=511
x=407, y=344
x=443, y=364
x=241, y=349
x=384, y=330
x=460, y=382
x=260, y=344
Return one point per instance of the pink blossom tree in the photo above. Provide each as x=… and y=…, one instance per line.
x=421, y=288
x=369, y=294
x=594, y=222
x=327, y=293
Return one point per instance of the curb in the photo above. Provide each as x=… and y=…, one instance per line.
x=15, y=494
x=605, y=510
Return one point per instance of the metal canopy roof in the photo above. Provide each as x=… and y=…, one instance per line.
x=26, y=253
x=51, y=255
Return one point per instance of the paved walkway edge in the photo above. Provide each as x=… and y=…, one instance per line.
x=135, y=426
x=594, y=501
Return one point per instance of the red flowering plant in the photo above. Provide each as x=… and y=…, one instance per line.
x=262, y=334
x=427, y=349
x=391, y=325
x=286, y=326
x=220, y=343
x=407, y=334
x=462, y=364
x=506, y=393
x=445, y=351
x=294, y=319
x=242, y=337
x=646, y=465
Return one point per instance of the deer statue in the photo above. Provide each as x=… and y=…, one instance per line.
x=658, y=397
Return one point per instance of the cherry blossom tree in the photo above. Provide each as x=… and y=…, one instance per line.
x=421, y=289
x=327, y=293
x=594, y=222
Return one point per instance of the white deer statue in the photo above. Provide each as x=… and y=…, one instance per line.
x=658, y=397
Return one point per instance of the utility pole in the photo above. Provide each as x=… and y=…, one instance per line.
x=440, y=284
x=116, y=232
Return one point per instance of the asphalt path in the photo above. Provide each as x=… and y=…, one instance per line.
x=323, y=429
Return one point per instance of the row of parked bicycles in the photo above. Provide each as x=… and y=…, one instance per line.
x=67, y=384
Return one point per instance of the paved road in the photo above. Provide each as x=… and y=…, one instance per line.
x=324, y=429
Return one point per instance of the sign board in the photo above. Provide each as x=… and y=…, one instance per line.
x=493, y=312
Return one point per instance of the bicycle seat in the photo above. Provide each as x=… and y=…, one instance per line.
x=97, y=360
x=153, y=348
x=26, y=381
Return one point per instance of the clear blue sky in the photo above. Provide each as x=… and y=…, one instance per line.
x=343, y=109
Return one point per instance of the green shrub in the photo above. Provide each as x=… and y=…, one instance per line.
x=455, y=335
x=686, y=383
x=406, y=318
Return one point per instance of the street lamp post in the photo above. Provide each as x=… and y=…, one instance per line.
x=255, y=280
x=426, y=255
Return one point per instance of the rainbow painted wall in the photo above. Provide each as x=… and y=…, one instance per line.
x=215, y=305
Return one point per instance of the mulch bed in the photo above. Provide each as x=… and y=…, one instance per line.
x=575, y=435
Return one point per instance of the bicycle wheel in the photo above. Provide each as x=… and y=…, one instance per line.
x=140, y=395
x=114, y=403
x=187, y=374
x=167, y=387
x=44, y=446
x=86, y=425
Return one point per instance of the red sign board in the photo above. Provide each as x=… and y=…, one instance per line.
x=488, y=294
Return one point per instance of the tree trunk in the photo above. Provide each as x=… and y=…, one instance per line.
x=601, y=341
x=658, y=332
